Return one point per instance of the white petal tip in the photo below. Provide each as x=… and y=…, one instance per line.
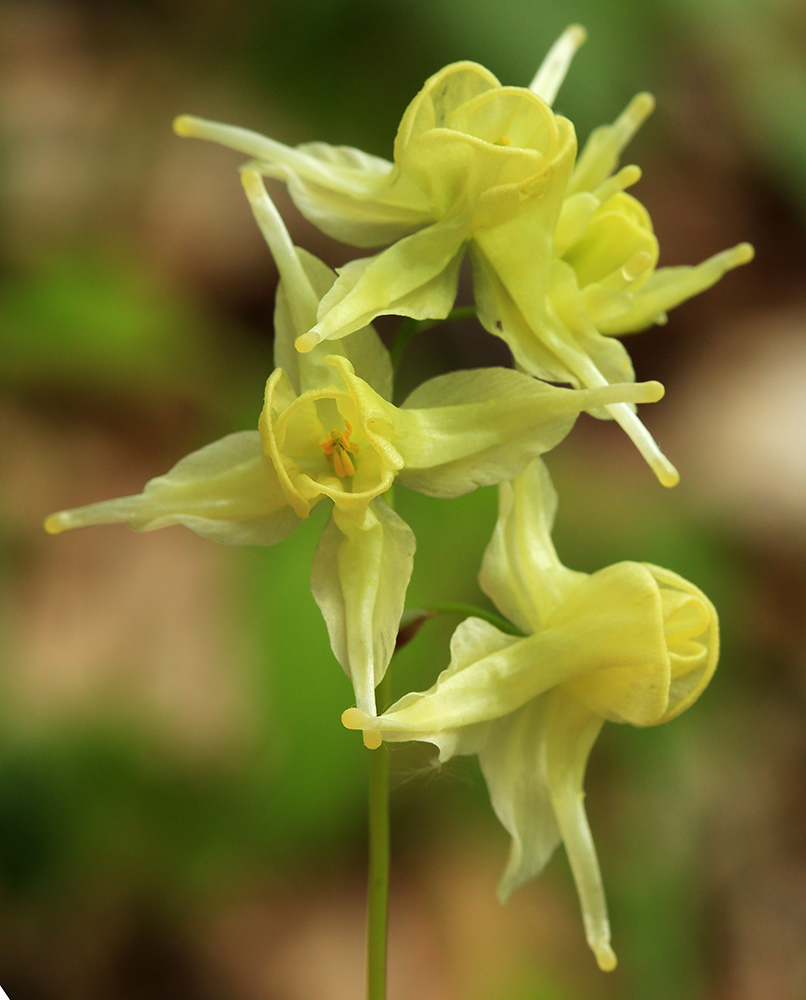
x=307, y=341
x=549, y=77
x=654, y=391
x=576, y=35
x=641, y=106
x=742, y=254
x=354, y=718
x=605, y=956
x=184, y=125
x=252, y=183
x=55, y=524
x=667, y=474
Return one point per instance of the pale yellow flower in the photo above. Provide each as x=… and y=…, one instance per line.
x=562, y=257
x=632, y=643
x=328, y=430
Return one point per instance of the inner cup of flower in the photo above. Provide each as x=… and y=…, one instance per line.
x=323, y=438
x=506, y=116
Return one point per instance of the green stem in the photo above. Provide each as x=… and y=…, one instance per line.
x=378, y=888
x=411, y=327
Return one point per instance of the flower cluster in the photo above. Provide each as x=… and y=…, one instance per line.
x=563, y=260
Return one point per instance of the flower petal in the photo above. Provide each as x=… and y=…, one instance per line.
x=500, y=316
x=553, y=69
x=619, y=231
x=359, y=578
x=352, y=196
x=669, y=286
x=459, y=170
x=570, y=732
x=513, y=762
x=417, y=277
x=476, y=428
x=225, y=491
x=605, y=644
x=521, y=572
x=618, y=619
x=304, y=281
x=441, y=95
x=601, y=152
x=411, y=718
x=691, y=627
x=552, y=310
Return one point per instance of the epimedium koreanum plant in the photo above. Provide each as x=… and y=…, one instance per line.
x=328, y=429
x=563, y=259
x=631, y=643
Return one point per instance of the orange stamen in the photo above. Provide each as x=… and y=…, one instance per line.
x=340, y=451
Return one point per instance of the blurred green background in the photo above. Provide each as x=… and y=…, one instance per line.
x=181, y=812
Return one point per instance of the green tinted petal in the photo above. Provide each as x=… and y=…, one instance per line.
x=575, y=217
x=397, y=210
x=618, y=619
x=571, y=335
x=618, y=231
x=359, y=578
x=520, y=249
x=458, y=170
x=500, y=316
x=416, y=277
x=352, y=196
x=415, y=716
x=570, y=732
x=669, y=286
x=301, y=295
x=521, y=572
x=440, y=96
x=224, y=491
x=346, y=170
x=476, y=428
x=607, y=627
x=552, y=72
x=532, y=300
x=513, y=762
x=601, y=153
x=304, y=281
x=691, y=628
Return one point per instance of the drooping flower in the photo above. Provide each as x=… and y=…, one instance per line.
x=328, y=429
x=632, y=643
x=562, y=257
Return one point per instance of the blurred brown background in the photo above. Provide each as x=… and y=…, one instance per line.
x=181, y=813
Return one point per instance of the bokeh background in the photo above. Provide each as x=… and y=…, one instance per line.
x=181, y=813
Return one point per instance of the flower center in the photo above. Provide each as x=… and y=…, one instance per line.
x=340, y=451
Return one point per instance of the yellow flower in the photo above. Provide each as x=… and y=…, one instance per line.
x=469, y=155
x=327, y=429
x=601, y=281
x=562, y=257
x=632, y=643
